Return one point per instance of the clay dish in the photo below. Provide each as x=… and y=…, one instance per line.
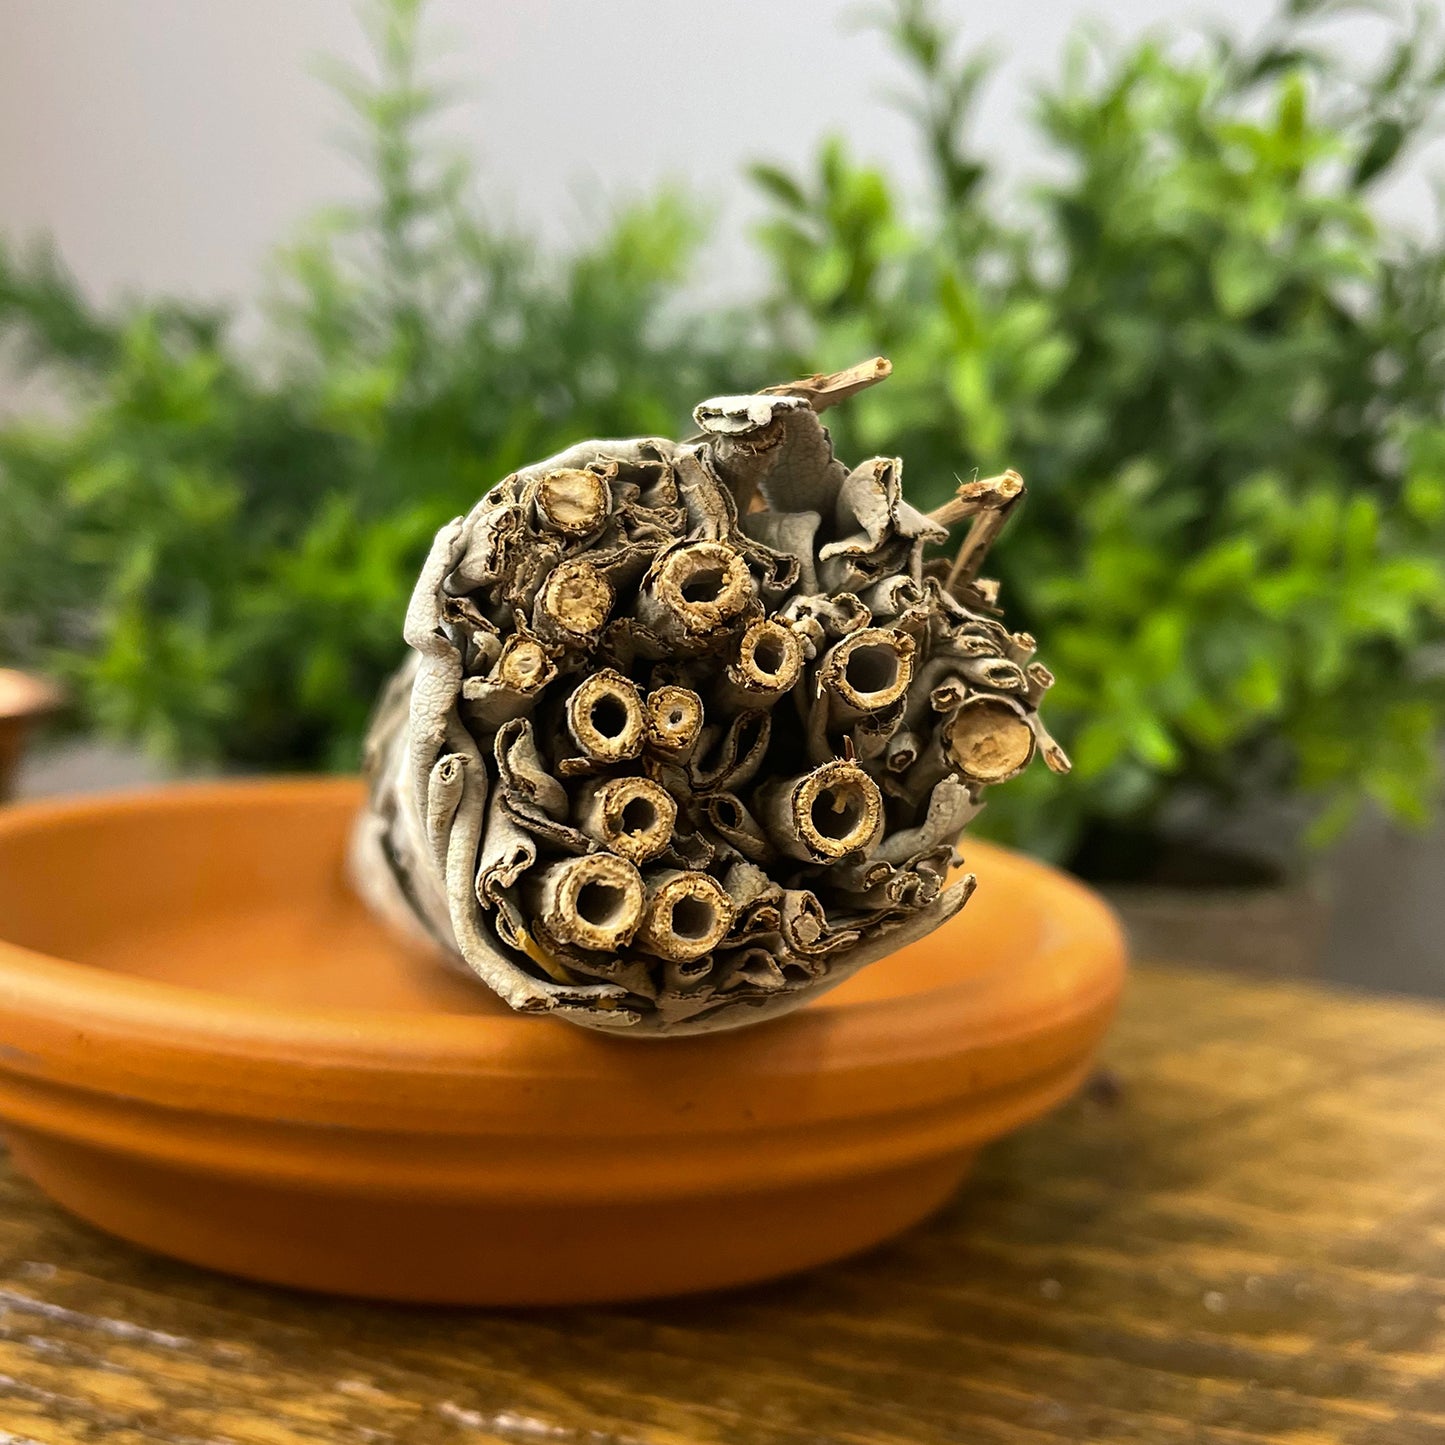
x=207, y=1047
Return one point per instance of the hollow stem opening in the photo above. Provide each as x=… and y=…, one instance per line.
x=705, y=585
x=837, y=811
x=872, y=669
x=609, y=716
x=633, y=817
x=674, y=720
x=769, y=662
x=697, y=591
x=693, y=918
x=688, y=915
x=600, y=904
x=606, y=717
x=834, y=811
x=594, y=902
x=638, y=816
x=868, y=670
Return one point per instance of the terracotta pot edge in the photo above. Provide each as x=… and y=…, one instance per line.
x=799, y=1153
x=92, y=1001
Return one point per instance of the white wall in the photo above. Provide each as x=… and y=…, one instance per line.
x=170, y=143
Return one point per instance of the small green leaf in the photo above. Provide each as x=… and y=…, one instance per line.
x=780, y=186
x=1383, y=146
x=1244, y=278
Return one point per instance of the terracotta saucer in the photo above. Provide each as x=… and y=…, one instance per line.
x=208, y=1048
x=24, y=700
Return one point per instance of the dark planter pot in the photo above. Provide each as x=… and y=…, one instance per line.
x=24, y=700
x=1274, y=930
x=1196, y=901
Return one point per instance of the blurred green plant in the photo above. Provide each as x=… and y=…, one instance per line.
x=1221, y=374
x=1222, y=377
x=214, y=544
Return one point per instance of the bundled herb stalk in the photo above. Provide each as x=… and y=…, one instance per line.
x=691, y=729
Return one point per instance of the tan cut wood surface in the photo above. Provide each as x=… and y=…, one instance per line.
x=1236, y=1235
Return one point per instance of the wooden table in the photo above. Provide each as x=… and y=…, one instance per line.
x=1237, y=1235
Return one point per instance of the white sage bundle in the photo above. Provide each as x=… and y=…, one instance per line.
x=690, y=730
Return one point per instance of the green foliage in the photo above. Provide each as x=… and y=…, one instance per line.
x=1221, y=375
x=1223, y=380
x=215, y=544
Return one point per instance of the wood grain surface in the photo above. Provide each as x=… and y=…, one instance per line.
x=1236, y=1235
